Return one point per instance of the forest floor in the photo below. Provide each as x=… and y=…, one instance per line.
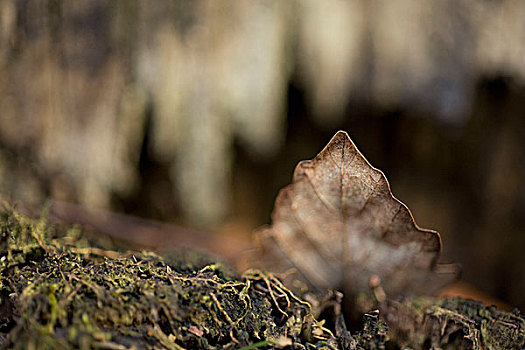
x=63, y=287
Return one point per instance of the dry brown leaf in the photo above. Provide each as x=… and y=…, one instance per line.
x=340, y=226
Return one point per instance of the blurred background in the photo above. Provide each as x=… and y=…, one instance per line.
x=197, y=112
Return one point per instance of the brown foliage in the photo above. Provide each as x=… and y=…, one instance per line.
x=340, y=226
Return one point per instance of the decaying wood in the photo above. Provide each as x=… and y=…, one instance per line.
x=340, y=226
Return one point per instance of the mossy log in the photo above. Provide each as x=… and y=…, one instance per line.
x=60, y=289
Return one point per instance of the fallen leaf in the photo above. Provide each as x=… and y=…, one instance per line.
x=340, y=226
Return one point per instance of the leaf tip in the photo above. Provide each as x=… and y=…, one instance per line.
x=341, y=133
x=340, y=137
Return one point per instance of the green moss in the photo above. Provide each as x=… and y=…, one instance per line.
x=59, y=290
